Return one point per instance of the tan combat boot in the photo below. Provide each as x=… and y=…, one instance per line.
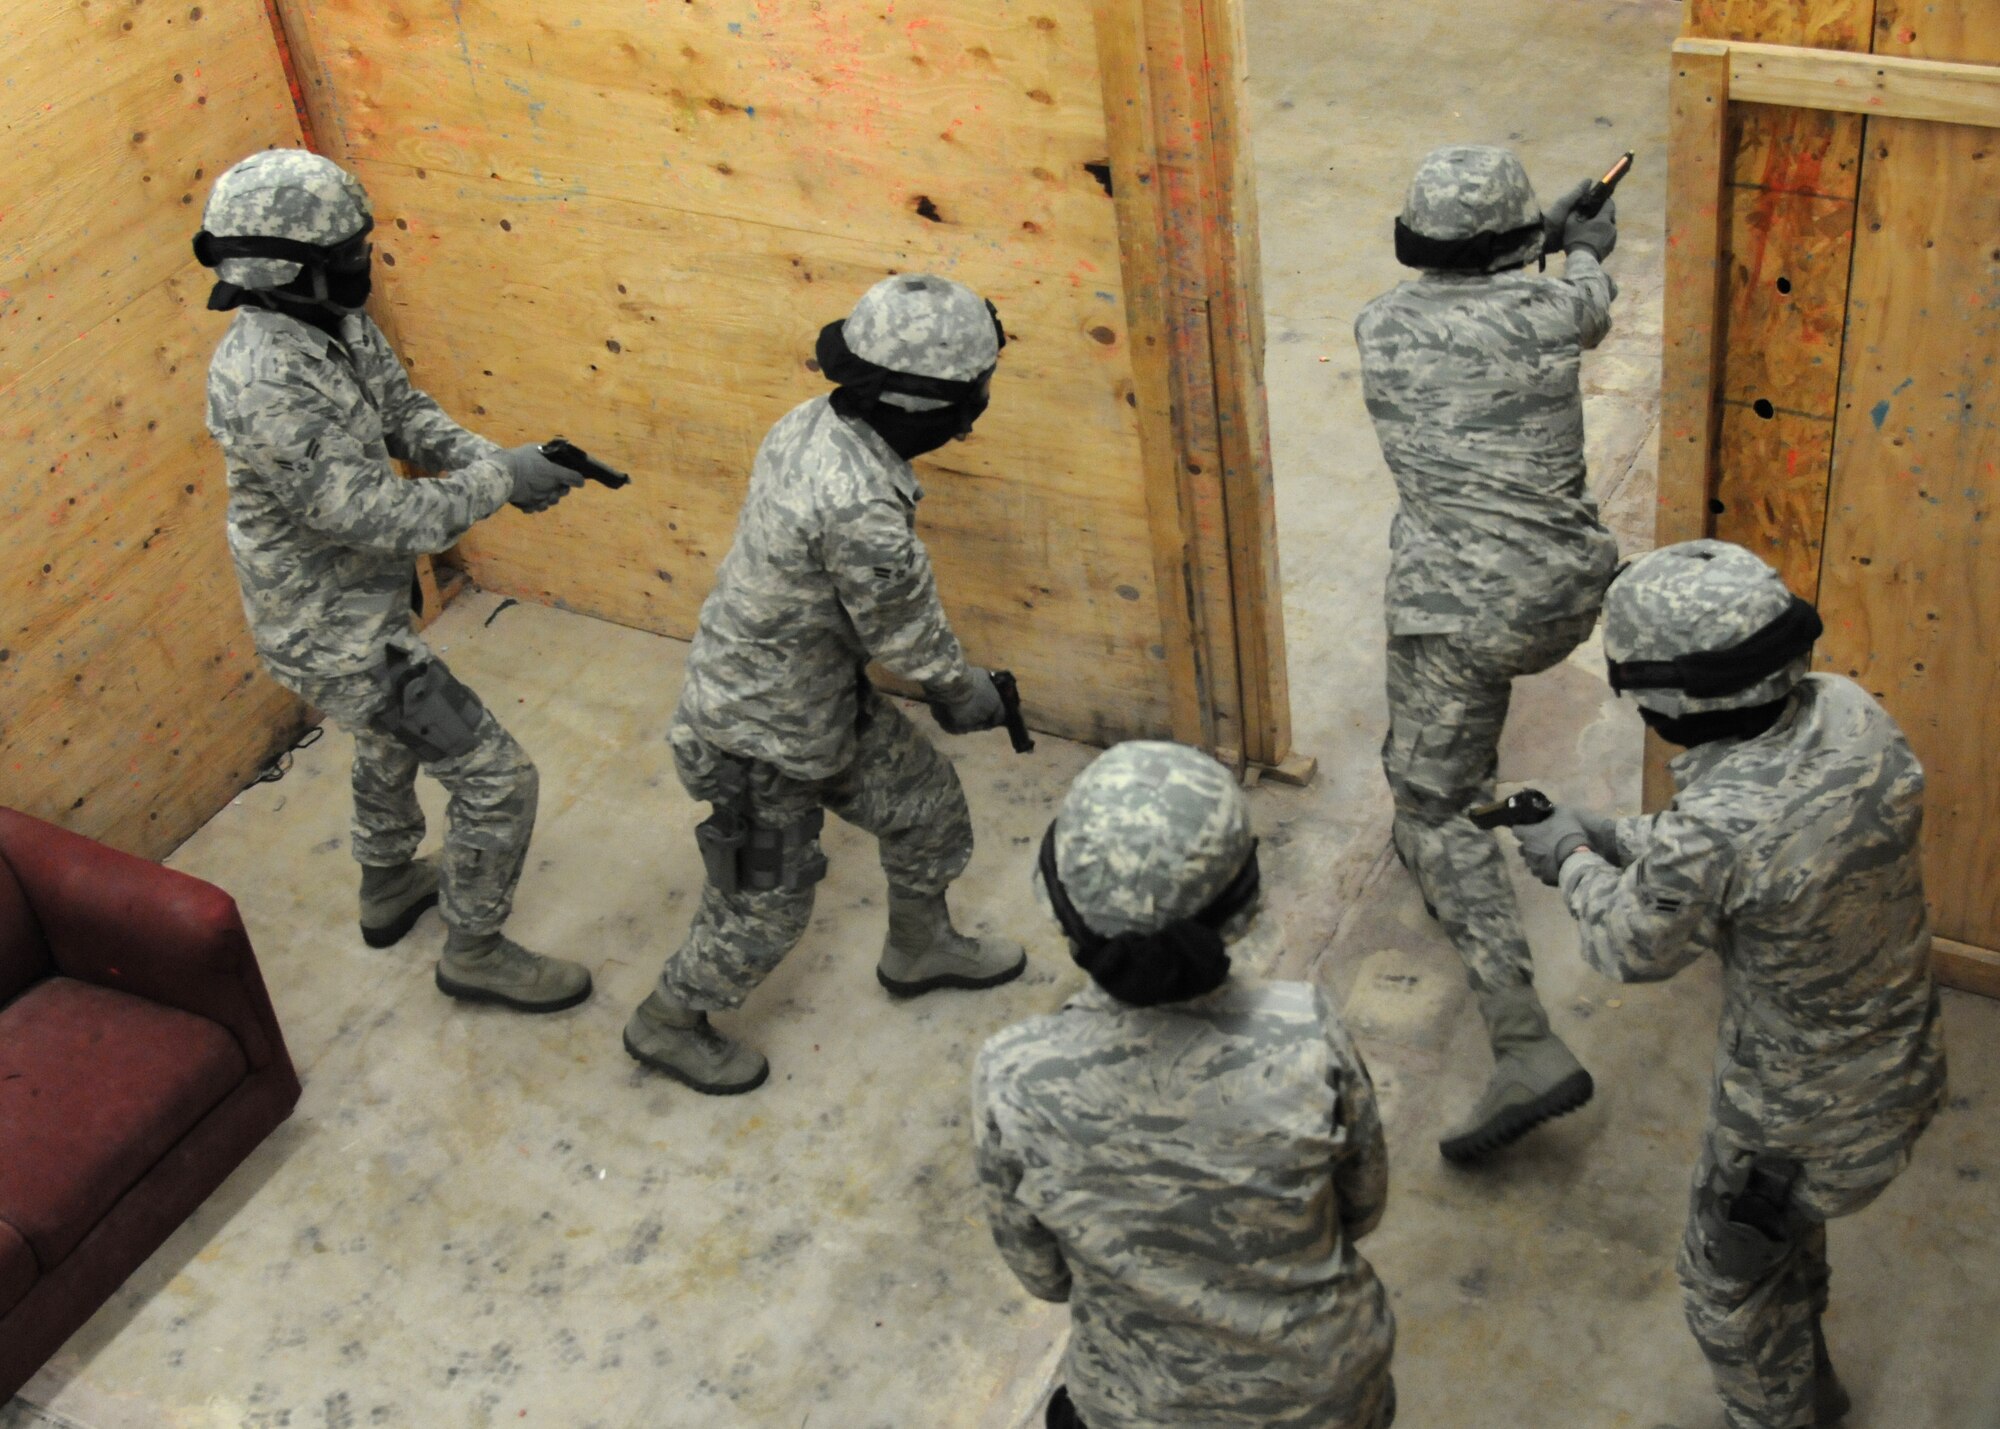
x=392, y=899
x=489, y=967
x=1534, y=1078
x=924, y=952
x=677, y=1040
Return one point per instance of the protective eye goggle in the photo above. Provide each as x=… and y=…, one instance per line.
x=349, y=255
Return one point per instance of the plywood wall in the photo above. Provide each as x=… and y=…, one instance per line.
x=1858, y=442
x=131, y=707
x=627, y=222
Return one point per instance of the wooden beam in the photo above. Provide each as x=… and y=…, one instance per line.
x=1697, y=169
x=1236, y=337
x=1965, y=967
x=1130, y=131
x=1935, y=90
x=1697, y=124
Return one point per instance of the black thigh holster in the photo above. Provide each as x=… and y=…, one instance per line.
x=742, y=855
x=1747, y=1217
x=428, y=712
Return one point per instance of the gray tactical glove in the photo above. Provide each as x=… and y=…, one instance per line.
x=981, y=708
x=1556, y=215
x=1598, y=233
x=538, y=482
x=1544, y=846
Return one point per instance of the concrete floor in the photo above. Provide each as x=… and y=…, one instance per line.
x=476, y=1218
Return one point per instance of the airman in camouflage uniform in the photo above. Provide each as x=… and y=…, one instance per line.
x=1185, y=1157
x=308, y=404
x=777, y=721
x=1498, y=560
x=1790, y=853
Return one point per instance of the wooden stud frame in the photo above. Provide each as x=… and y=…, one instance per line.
x=1707, y=76
x=1173, y=81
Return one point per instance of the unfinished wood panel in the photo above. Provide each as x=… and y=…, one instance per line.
x=1822, y=24
x=630, y=229
x=1910, y=587
x=131, y=707
x=117, y=118
x=131, y=703
x=1961, y=30
x=946, y=125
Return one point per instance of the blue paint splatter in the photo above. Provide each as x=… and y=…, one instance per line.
x=750, y=110
x=1906, y=382
x=1880, y=412
x=734, y=28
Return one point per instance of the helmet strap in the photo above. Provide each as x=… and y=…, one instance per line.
x=1476, y=254
x=1714, y=674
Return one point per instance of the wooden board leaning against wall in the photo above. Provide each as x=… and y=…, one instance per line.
x=131, y=705
x=1880, y=516
x=628, y=226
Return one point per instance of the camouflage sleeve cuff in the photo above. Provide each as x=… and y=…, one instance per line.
x=490, y=481
x=1579, y=867
x=1632, y=833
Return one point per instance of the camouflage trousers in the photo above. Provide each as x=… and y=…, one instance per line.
x=1448, y=698
x=491, y=816
x=1759, y=1325
x=898, y=788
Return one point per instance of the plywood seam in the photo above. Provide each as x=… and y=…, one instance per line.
x=899, y=245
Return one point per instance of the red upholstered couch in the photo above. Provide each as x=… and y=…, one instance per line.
x=139, y=1064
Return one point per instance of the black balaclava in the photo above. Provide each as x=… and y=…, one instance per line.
x=911, y=434
x=1690, y=730
x=1182, y=960
x=861, y=385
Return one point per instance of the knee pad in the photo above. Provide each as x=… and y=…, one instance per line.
x=1749, y=1226
x=429, y=712
x=742, y=855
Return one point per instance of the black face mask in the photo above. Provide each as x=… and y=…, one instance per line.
x=911, y=434
x=1691, y=730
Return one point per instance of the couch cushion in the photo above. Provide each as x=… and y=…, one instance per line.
x=18, y=1270
x=24, y=953
x=95, y=1086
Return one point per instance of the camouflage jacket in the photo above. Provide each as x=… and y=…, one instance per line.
x=1192, y=1178
x=323, y=531
x=825, y=574
x=1793, y=858
x=1472, y=380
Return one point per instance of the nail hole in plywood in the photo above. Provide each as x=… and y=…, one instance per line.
x=1763, y=408
x=1784, y=285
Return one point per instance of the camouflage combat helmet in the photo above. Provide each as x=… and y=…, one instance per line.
x=1150, y=833
x=288, y=194
x=924, y=326
x=1470, y=208
x=1703, y=626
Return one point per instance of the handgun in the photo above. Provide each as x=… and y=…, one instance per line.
x=564, y=452
x=1010, y=702
x=1600, y=189
x=1529, y=806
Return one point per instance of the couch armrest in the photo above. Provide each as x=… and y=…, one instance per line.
x=128, y=923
